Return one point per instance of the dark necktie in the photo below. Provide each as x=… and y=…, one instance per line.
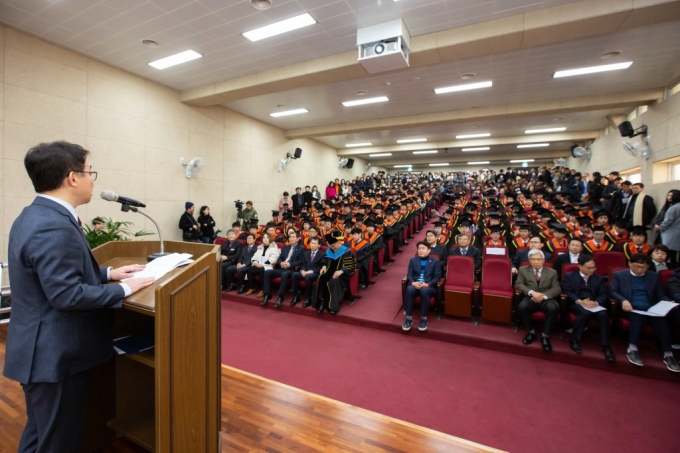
x=313, y=253
x=639, y=249
x=80, y=223
x=597, y=245
x=463, y=252
x=538, y=276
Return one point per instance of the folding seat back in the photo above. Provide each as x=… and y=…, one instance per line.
x=495, y=253
x=569, y=267
x=664, y=276
x=220, y=240
x=556, y=254
x=607, y=260
x=620, y=243
x=496, y=291
x=459, y=286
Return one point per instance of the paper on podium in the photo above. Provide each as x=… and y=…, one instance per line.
x=161, y=266
x=495, y=251
x=660, y=309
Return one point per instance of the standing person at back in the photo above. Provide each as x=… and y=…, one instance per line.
x=60, y=329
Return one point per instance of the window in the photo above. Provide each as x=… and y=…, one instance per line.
x=633, y=175
x=632, y=115
x=674, y=89
x=674, y=170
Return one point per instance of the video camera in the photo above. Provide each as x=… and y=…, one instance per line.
x=239, y=205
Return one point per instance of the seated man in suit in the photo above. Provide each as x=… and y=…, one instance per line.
x=289, y=261
x=540, y=288
x=638, y=289
x=585, y=290
x=240, y=267
x=464, y=249
x=535, y=243
x=312, y=261
x=435, y=247
x=575, y=251
x=230, y=251
x=423, y=274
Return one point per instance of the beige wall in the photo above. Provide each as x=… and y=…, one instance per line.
x=663, y=120
x=137, y=130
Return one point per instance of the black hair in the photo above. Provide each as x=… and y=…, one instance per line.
x=583, y=259
x=203, y=208
x=48, y=164
x=423, y=243
x=639, y=258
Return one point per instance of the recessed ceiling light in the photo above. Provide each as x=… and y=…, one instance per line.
x=150, y=43
x=289, y=112
x=439, y=165
x=380, y=155
x=412, y=140
x=559, y=118
x=534, y=145
x=402, y=166
x=608, y=55
x=277, y=28
x=362, y=92
x=481, y=148
x=365, y=101
x=479, y=163
x=432, y=151
x=356, y=145
x=459, y=137
x=261, y=5
x=388, y=84
x=592, y=69
x=548, y=129
x=519, y=161
x=176, y=59
x=468, y=86
x=468, y=76
x=415, y=79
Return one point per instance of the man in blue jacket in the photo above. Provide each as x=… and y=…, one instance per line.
x=639, y=289
x=421, y=280
x=60, y=329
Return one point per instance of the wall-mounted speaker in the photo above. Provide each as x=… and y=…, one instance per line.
x=298, y=153
x=350, y=163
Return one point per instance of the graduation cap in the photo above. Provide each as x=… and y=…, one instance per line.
x=333, y=237
x=275, y=213
x=545, y=213
x=318, y=206
x=252, y=225
x=438, y=224
x=582, y=204
x=562, y=228
x=639, y=230
x=389, y=211
x=379, y=221
x=602, y=213
x=305, y=220
x=559, y=206
x=524, y=226
x=360, y=217
x=584, y=221
x=495, y=229
x=348, y=222
x=598, y=228
x=621, y=223
x=369, y=223
x=356, y=231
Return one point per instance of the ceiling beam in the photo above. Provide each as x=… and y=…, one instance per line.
x=562, y=23
x=487, y=141
x=505, y=111
x=459, y=158
x=615, y=120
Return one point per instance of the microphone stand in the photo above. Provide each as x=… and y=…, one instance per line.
x=125, y=208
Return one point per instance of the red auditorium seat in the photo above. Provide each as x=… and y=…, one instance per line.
x=664, y=276
x=486, y=256
x=569, y=267
x=556, y=253
x=459, y=287
x=623, y=323
x=381, y=258
x=620, y=242
x=546, y=264
x=608, y=260
x=220, y=240
x=496, y=291
x=436, y=301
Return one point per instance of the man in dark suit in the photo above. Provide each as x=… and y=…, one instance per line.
x=535, y=243
x=230, y=251
x=575, y=251
x=291, y=259
x=540, y=288
x=435, y=247
x=423, y=274
x=240, y=267
x=585, y=292
x=312, y=262
x=464, y=249
x=60, y=329
x=639, y=289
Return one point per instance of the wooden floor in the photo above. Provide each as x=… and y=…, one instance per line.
x=259, y=415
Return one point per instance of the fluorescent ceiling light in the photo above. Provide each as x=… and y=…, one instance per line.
x=534, y=145
x=519, y=161
x=472, y=136
x=592, y=69
x=465, y=87
x=357, y=145
x=289, y=112
x=439, y=165
x=402, y=166
x=433, y=151
x=412, y=140
x=176, y=59
x=365, y=101
x=380, y=155
x=280, y=27
x=549, y=129
x=479, y=163
x=481, y=148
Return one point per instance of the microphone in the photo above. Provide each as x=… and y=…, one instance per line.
x=112, y=196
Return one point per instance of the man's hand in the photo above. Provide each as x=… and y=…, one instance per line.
x=416, y=285
x=223, y=257
x=125, y=271
x=323, y=270
x=195, y=227
x=135, y=284
x=303, y=273
x=239, y=266
x=337, y=274
x=537, y=297
x=626, y=306
x=514, y=270
x=285, y=265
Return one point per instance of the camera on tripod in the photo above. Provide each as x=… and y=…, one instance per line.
x=239, y=205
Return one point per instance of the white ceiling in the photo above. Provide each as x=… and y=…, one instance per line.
x=112, y=30
x=518, y=76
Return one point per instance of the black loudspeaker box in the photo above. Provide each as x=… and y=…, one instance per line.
x=298, y=153
x=626, y=129
x=350, y=163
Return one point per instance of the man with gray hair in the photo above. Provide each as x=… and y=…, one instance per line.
x=540, y=287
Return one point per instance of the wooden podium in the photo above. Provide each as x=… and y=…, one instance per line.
x=166, y=399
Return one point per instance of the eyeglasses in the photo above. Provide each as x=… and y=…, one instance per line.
x=93, y=174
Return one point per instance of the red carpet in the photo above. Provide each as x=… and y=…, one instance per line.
x=515, y=403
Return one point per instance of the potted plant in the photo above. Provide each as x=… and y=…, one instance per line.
x=106, y=230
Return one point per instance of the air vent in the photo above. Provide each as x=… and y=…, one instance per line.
x=468, y=76
x=150, y=43
x=608, y=55
x=261, y=5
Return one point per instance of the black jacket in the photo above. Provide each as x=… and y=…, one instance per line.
x=186, y=223
x=232, y=250
x=572, y=282
x=246, y=255
x=316, y=265
x=472, y=252
x=206, y=224
x=296, y=258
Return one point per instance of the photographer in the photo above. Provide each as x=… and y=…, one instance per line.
x=189, y=226
x=248, y=214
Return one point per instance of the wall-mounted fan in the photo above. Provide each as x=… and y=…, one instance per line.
x=560, y=162
x=342, y=163
x=580, y=152
x=193, y=167
x=368, y=165
x=283, y=163
x=636, y=149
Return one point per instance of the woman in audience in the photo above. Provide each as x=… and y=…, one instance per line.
x=316, y=194
x=265, y=258
x=662, y=214
x=330, y=190
x=207, y=225
x=670, y=226
x=659, y=259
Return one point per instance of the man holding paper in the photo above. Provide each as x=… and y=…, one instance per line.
x=643, y=300
x=587, y=298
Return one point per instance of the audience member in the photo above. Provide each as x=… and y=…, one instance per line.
x=421, y=280
x=339, y=266
x=312, y=262
x=264, y=259
x=245, y=260
x=291, y=259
